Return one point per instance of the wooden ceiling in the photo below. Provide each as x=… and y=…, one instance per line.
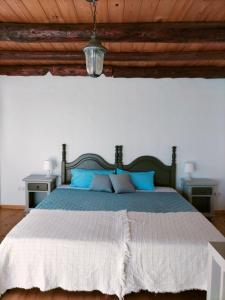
x=144, y=38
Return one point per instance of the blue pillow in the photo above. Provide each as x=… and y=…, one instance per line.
x=141, y=180
x=82, y=178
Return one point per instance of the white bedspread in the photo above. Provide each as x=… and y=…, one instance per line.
x=113, y=252
x=169, y=251
x=77, y=251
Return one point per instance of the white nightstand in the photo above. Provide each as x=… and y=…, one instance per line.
x=37, y=187
x=201, y=193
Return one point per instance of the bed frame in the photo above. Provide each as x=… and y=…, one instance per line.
x=165, y=175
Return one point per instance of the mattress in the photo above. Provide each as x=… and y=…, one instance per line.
x=117, y=244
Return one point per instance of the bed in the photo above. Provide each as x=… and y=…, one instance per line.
x=82, y=240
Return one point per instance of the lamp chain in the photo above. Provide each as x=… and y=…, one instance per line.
x=94, y=17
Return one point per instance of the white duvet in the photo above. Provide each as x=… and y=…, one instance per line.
x=113, y=252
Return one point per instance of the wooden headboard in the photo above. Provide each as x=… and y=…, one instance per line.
x=165, y=175
x=85, y=161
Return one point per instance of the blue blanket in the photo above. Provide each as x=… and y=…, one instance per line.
x=159, y=202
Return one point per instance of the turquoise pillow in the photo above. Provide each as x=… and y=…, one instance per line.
x=82, y=178
x=141, y=180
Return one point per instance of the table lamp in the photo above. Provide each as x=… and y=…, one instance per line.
x=48, y=166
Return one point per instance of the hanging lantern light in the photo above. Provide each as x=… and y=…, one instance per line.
x=94, y=51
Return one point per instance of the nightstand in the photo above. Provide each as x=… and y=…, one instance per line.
x=37, y=188
x=201, y=193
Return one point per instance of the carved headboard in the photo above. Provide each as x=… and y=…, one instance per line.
x=85, y=161
x=165, y=175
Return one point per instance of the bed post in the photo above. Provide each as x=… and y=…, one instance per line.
x=119, y=156
x=63, y=165
x=173, y=171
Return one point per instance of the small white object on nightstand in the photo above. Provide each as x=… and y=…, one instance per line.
x=48, y=166
x=189, y=169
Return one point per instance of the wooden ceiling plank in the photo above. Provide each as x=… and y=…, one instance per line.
x=36, y=11
x=149, y=47
x=115, y=11
x=7, y=13
x=216, y=46
x=147, y=10
x=52, y=11
x=163, y=10
x=131, y=10
x=197, y=9
x=215, y=13
x=83, y=9
x=9, y=46
x=37, y=47
x=113, y=47
x=180, y=9
x=20, y=10
x=67, y=11
x=135, y=32
x=45, y=46
x=125, y=47
x=138, y=47
x=102, y=13
x=71, y=46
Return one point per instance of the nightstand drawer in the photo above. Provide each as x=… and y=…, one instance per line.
x=37, y=186
x=202, y=191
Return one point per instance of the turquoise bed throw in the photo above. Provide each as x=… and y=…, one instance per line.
x=155, y=202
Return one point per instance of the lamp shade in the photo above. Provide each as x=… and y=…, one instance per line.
x=48, y=165
x=94, y=55
x=189, y=167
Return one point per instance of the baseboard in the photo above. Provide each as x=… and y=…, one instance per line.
x=220, y=212
x=11, y=206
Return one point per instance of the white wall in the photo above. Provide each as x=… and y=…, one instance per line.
x=147, y=116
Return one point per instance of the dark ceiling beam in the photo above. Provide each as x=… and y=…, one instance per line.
x=120, y=56
x=24, y=70
x=117, y=71
x=170, y=32
x=170, y=72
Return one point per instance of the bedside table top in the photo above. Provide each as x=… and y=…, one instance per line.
x=199, y=181
x=40, y=178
